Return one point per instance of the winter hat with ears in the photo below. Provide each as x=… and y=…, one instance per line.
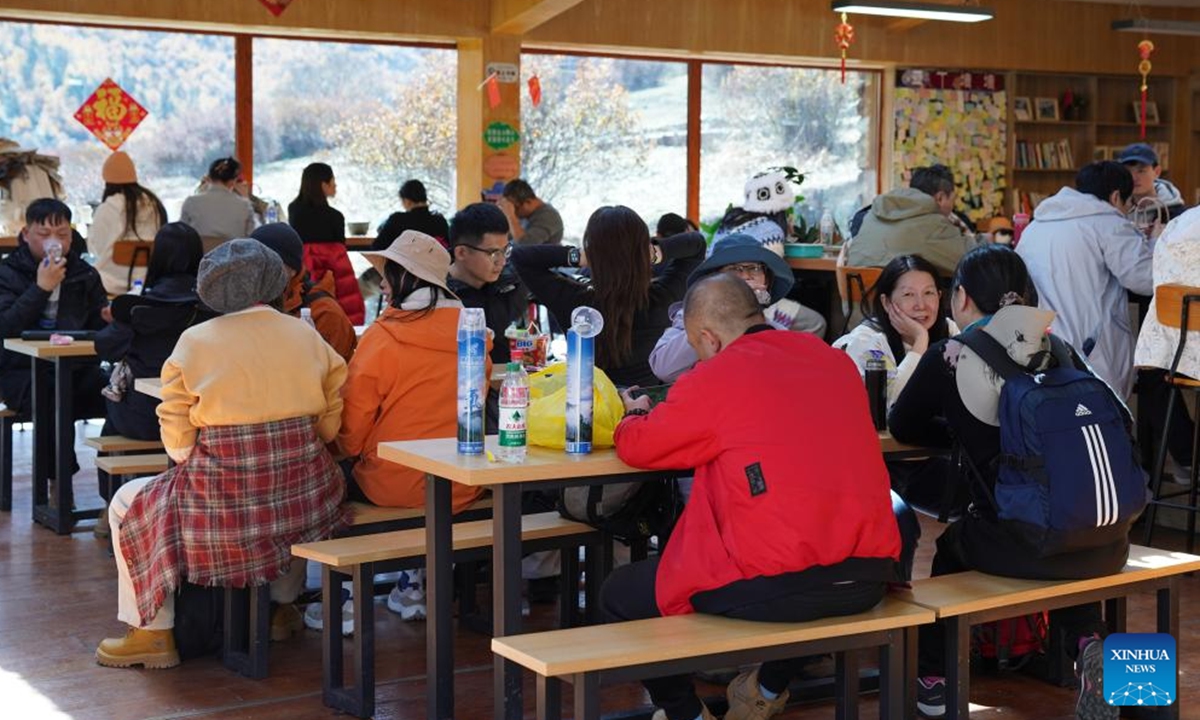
x=119, y=170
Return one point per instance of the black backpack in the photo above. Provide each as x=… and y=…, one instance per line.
x=199, y=620
x=628, y=511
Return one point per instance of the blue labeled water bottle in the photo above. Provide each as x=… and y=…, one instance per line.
x=472, y=356
x=586, y=324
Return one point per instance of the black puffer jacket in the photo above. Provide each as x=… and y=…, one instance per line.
x=22, y=302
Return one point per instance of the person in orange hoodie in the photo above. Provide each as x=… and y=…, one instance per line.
x=303, y=291
x=402, y=386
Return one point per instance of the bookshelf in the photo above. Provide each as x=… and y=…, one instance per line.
x=1049, y=141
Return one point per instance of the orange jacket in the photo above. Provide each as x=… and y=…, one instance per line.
x=327, y=314
x=402, y=385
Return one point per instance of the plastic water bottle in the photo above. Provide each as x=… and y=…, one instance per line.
x=875, y=376
x=272, y=214
x=586, y=324
x=826, y=228
x=472, y=346
x=514, y=410
x=138, y=286
x=306, y=316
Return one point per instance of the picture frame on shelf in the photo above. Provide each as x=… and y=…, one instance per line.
x=1163, y=151
x=1022, y=109
x=1046, y=109
x=1151, y=112
x=1100, y=153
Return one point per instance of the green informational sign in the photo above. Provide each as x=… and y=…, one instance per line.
x=500, y=135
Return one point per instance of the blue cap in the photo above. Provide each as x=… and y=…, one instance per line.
x=1138, y=153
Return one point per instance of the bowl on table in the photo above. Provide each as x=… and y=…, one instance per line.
x=803, y=250
x=358, y=229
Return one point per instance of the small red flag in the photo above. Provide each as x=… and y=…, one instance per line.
x=535, y=90
x=493, y=91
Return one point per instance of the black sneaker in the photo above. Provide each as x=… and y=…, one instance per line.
x=1089, y=668
x=931, y=696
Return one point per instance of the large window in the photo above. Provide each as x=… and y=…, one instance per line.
x=755, y=117
x=608, y=132
x=378, y=114
x=184, y=81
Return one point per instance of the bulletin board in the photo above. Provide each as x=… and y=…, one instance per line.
x=963, y=128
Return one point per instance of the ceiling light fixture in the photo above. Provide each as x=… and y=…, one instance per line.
x=1164, y=27
x=916, y=10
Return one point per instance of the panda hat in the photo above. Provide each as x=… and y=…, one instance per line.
x=769, y=192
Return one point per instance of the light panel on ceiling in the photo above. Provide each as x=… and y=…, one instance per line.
x=915, y=10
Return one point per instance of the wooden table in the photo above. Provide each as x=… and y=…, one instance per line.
x=153, y=387
x=8, y=244
x=893, y=449
x=359, y=242
x=827, y=263
x=54, y=419
x=543, y=468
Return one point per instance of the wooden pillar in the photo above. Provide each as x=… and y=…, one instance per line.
x=695, y=86
x=243, y=101
x=489, y=148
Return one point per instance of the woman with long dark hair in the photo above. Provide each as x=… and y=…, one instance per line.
x=323, y=230
x=617, y=249
x=952, y=399
x=128, y=212
x=903, y=318
x=146, y=327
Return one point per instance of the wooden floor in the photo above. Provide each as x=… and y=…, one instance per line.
x=58, y=600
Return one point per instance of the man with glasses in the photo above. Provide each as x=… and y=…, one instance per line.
x=479, y=273
x=767, y=275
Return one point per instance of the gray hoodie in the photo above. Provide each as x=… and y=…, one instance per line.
x=1083, y=255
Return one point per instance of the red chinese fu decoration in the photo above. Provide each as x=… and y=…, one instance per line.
x=276, y=6
x=535, y=90
x=111, y=114
x=843, y=35
x=1145, y=48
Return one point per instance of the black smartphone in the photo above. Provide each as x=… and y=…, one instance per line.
x=656, y=393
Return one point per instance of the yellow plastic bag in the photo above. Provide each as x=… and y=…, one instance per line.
x=548, y=408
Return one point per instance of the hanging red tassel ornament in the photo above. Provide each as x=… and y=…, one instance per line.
x=844, y=35
x=535, y=91
x=493, y=91
x=1145, y=48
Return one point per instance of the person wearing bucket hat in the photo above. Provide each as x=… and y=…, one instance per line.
x=418, y=333
x=767, y=274
x=303, y=291
x=954, y=394
x=250, y=400
x=129, y=211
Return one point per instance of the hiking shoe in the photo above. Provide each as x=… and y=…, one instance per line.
x=102, y=531
x=285, y=622
x=407, y=599
x=1089, y=668
x=313, y=616
x=746, y=701
x=152, y=649
x=931, y=696
x=704, y=714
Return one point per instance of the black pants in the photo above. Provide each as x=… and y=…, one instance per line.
x=628, y=594
x=1153, y=396
x=974, y=543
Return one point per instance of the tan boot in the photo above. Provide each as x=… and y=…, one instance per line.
x=704, y=714
x=285, y=622
x=152, y=649
x=746, y=701
x=102, y=531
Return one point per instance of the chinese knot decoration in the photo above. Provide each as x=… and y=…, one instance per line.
x=276, y=6
x=111, y=114
x=535, y=90
x=843, y=35
x=1145, y=48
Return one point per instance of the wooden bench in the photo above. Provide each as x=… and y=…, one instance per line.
x=361, y=557
x=126, y=465
x=368, y=519
x=591, y=657
x=969, y=598
x=115, y=444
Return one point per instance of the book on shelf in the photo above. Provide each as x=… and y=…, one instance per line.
x=1163, y=151
x=1051, y=155
x=1026, y=202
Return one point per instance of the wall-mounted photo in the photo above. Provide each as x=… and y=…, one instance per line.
x=1022, y=109
x=1151, y=112
x=1046, y=108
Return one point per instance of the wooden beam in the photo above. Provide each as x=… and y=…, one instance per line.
x=517, y=17
x=695, y=87
x=243, y=102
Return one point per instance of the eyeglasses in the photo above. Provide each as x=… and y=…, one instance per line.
x=503, y=252
x=749, y=268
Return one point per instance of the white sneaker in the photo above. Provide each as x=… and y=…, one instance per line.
x=313, y=617
x=409, y=603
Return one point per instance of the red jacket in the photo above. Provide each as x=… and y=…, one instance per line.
x=795, y=407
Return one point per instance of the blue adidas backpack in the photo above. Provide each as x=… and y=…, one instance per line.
x=1067, y=477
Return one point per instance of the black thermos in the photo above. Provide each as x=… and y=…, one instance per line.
x=876, y=380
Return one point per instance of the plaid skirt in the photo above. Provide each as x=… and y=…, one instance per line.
x=230, y=514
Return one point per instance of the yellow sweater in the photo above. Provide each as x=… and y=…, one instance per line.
x=249, y=367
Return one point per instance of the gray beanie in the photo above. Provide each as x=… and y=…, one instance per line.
x=238, y=274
